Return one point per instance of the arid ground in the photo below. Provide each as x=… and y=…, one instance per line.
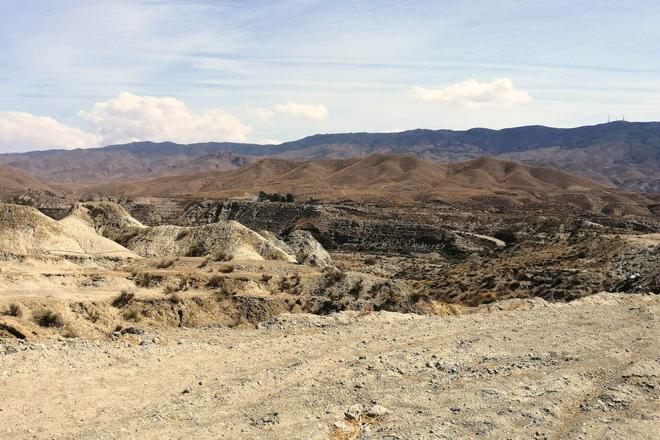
x=520, y=369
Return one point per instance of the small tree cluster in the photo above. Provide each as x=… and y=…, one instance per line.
x=275, y=197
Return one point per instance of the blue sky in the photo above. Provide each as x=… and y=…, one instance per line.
x=86, y=73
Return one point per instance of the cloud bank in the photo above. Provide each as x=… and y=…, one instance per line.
x=474, y=94
x=129, y=118
x=126, y=118
x=24, y=131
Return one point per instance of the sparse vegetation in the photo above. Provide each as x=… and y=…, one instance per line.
x=146, y=279
x=197, y=250
x=333, y=275
x=222, y=256
x=132, y=315
x=48, y=318
x=228, y=268
x=165, y=263
x=275, y=197
x=14, y=310
x=216, y=281
x=124, y=298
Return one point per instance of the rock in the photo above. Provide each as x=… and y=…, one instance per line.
x=307, y=250
x=354, y=412
x=378, y=411
x=342, y=426
x=131, y=331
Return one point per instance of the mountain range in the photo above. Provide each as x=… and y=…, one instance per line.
x=619, y=154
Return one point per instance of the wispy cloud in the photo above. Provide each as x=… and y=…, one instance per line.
x=310, y=111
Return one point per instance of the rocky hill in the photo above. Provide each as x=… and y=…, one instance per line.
x=622, y=154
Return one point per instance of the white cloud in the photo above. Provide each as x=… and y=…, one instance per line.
x=317, y=112
x=262, y=114
x=24, y=131
x=473, y=94
x=131, y=117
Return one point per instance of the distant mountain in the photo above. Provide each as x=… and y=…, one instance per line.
x=622, y=154
x=138, y=160
x=393, y=179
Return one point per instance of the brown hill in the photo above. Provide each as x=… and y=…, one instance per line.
x=12, y=179
x=392, y=179
x=15, y=183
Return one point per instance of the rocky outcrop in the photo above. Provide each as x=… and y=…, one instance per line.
x=230, y=239
x=108, y=219
x=307, y=250
x=24, y=230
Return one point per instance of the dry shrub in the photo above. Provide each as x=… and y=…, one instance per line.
x=132, y=315
x=165, y=263
x=146, y=279
x=229, y=268
x=333, y=275
x=215, y=282
x=198, y=250
x=124, y=298
x=48, y=318
x=222, y=256
x=14, y=310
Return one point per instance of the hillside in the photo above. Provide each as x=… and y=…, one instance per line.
x=12, y=179
x=140, y=160
x=621, y=154
x=390, y=179
x=15, y=183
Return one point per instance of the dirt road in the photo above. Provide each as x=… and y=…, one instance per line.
x=586, y=370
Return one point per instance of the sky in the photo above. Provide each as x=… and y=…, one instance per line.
x=79, y=74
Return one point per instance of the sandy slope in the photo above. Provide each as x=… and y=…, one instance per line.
x=592, y=374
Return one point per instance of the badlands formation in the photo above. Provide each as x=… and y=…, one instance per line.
x=385, y=297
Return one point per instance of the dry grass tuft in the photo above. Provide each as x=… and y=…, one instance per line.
x=14, y=310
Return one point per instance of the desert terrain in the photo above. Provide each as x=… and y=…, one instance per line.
x=377, y=297
x=500, y=372
x=329, y=220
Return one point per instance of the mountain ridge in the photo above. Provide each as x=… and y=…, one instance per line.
x=621, y=154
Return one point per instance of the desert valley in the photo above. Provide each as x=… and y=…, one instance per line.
x=269, y=271
x=329, y=220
